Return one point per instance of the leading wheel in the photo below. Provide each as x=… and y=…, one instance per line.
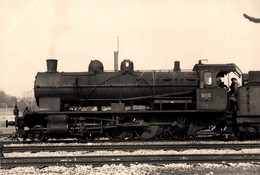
x=37, y=134
x=37, y=137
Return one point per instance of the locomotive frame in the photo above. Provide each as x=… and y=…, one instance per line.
x=147, y=104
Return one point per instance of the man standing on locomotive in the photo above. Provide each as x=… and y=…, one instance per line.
x=233, y=94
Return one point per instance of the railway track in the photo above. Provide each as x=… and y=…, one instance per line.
x=207, y=139
x=95, y=141
x=129, y=147
x=11, y=162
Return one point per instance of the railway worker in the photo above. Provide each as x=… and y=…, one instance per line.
x=233, y=94
x=233, y=87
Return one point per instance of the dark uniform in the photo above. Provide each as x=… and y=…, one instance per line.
x=233, y=94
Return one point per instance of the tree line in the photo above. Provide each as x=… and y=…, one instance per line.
x=27, y=100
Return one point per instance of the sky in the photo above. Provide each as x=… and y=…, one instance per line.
x=152, y=33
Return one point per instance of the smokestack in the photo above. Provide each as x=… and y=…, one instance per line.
x=51, y=65
x=116, y=60
x=177, y=66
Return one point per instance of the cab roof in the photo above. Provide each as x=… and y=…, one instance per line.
x=227, y=68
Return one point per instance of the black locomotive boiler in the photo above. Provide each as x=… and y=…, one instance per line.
x=145, y=104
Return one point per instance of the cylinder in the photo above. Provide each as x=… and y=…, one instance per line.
x=57, y=124
x=52, y=65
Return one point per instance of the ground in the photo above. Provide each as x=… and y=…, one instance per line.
x=145, y=169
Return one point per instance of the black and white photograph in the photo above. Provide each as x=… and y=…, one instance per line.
x=132, y=87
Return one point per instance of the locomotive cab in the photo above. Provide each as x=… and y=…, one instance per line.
x=212, y=93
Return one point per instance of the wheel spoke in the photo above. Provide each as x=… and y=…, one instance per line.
x=85, y=138
x=119, y=134
x=178, y=133
x=36, y=134
x=148, y=132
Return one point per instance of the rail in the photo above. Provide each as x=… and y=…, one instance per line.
x=11, y=162
x=131, y=147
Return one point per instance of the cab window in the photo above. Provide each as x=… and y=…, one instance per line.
x=207, y=78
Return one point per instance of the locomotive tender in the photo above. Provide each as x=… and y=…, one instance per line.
x=147, y=104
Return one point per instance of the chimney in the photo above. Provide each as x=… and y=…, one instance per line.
x=177, y=66
x=116, y=60
x=51, y=65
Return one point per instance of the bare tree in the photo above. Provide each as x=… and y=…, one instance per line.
x=28, y=101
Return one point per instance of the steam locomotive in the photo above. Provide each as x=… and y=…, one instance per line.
x=121, y=104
